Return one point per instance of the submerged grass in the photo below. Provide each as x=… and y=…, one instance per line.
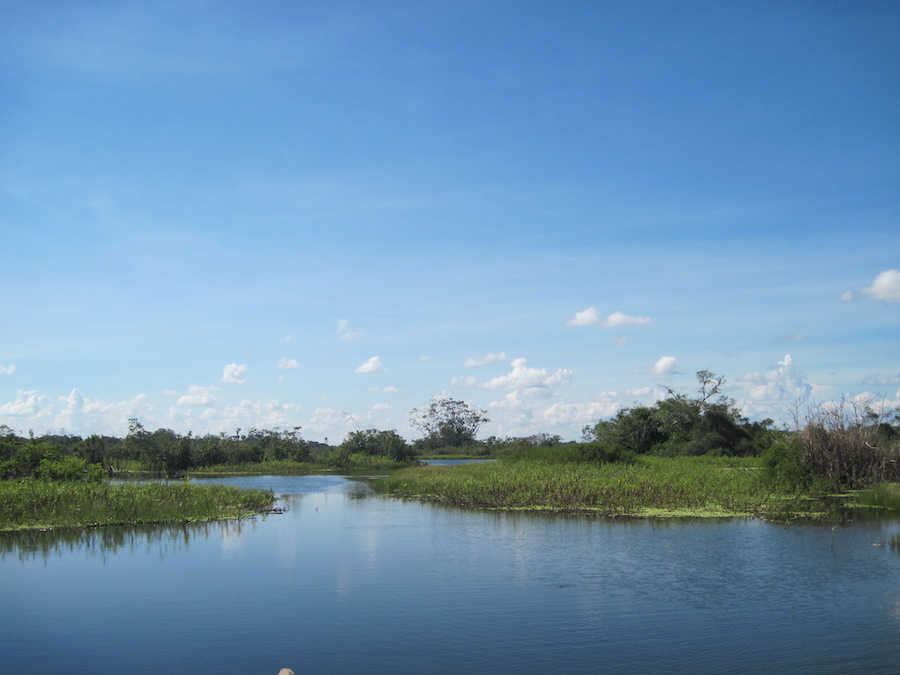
x=651, y=486
x=43, y=504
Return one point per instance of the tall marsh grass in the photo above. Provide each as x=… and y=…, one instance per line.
x=43, y=504
x=649, y=486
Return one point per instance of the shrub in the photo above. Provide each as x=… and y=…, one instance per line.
x=846, y=445
x=783, y=465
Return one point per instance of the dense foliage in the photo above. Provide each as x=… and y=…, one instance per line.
x=707, y=424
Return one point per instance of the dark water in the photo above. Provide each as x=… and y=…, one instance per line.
x=344, y=582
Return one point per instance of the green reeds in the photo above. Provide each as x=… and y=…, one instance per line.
x=291, y=468
x=44, y=504
x=652, y=486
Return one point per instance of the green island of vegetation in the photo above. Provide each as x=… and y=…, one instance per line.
x=682, y=456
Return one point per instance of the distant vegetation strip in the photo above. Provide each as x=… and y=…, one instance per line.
x=289, y=468
x=26, y=504
x=657, y=486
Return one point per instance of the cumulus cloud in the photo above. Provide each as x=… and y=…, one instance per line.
x=198, y=396
x=235, y=373
x=529, y=380
x=72, y=416
x=847, y=296
x=885, y=287
x=490, y=357
x=592, y=317
x=7, y=370
x=783, y=383
x=27, y=403
x=74, y=413
x=288, y=364
x=344, y=332
x=665, y=366
x=373, y=365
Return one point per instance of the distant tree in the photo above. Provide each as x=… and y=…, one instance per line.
x=446, y=422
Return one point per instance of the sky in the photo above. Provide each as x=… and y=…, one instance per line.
x=218, y=214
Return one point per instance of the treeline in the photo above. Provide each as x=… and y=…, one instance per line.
x=165, y=452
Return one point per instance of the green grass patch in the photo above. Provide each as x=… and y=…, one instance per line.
x=28, y=504
x=648, y=487
x=290, y=468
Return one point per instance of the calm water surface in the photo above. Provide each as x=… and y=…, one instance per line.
x=346, y=582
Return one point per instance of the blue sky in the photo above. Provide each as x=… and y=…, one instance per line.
x=224, y=214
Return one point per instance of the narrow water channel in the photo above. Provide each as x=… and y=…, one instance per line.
x=348, y=582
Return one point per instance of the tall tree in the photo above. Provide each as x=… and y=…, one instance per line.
x=446, y=422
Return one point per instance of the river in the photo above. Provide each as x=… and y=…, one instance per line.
x=348, y=582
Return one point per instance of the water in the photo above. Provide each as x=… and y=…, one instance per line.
x=346, y=582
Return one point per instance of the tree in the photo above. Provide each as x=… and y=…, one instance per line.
x=446, y=422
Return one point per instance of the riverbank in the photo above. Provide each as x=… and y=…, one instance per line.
x=649, y=487
x=36, y=504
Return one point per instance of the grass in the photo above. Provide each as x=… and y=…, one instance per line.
x=290, y=468
x=26, y=504
x=651, y=486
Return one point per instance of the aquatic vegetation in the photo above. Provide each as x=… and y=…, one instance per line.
x=655, y=486
x=43, y=504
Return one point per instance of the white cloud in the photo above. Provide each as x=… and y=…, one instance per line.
x=885, y=287
x=381, y=406
x=586, y=317
x=234, y=373
x=563, y=414
x=592, y=317
x=490, y=357
x=288, y=363
x=387, y=390
x=529, y=380
x=621, y=319
x=27, y=403
x=847, y=296
x=74, y=414
x=344, y=332
x=373, y=365
x=7, y=370
x=464, y=381
x=198, y=396
x=783, y=383
x=665, y=366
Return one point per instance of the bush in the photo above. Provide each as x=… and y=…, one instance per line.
x=784, y=466
x=846, y=445
x=599, y=453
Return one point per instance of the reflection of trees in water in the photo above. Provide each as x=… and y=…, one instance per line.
x=105, y=541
